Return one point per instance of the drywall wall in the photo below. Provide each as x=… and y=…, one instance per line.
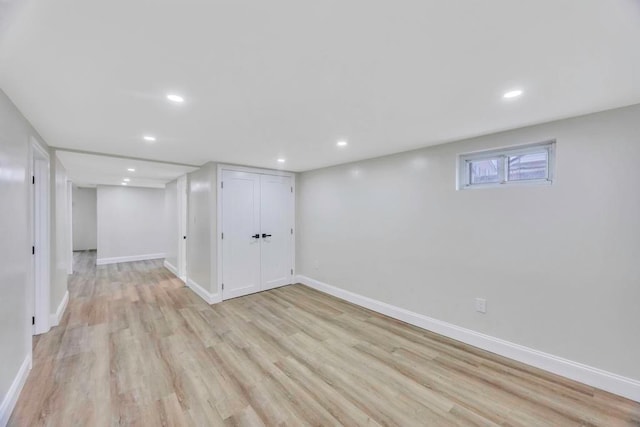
x=85, y=217
x=171, y=226
x=60, y=234
x=557, y=264
x=131, y=223
x=15, y=252
x=201, y=228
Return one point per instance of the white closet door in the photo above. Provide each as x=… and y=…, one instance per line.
x=241, y=239
x=276, y=222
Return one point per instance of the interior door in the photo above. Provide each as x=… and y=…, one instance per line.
x=276, y=222
x=182, y=227
x=241, y=233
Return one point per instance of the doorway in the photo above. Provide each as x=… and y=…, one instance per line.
x=84, y=218
x=256, y=237
x=40, y=237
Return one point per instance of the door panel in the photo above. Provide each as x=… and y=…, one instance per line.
x=182, y=227
x=276, y=220
x=240, y=221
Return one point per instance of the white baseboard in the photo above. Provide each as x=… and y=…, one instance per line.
x=174, y=270
x=11, y=398
x=203, y=293
x=594, y=377
x=54, y=319
x=116, y=260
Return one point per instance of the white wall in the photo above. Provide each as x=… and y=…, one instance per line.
x=557, y=264
x=171, y=226
x=131, y=223
x=85, y=217
x=15, y=250
x=201, y=228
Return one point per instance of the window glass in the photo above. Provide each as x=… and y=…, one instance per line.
x=484, y=171
x=527, y=166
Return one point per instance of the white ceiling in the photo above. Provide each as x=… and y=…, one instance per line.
x=288, y=78
x=8, y=10
x=88, y=170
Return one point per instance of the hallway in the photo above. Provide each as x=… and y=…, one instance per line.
x=115, y=321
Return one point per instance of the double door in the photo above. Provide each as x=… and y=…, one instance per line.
x=257, y=232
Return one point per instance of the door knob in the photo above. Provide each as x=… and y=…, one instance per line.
x=265, y=235
x=256, y=236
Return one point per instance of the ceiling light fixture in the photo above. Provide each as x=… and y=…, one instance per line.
x=126, y=180
x=281, y=160
x=131, y=170
x=124, y=183
x=175, y=98
x=342, y=143
x=149, y=138
x=512, y=94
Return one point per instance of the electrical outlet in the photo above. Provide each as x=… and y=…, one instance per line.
x=481, y=305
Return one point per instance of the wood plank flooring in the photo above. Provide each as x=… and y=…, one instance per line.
x=136, y=347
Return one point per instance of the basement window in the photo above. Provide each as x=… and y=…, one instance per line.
x=527, y=164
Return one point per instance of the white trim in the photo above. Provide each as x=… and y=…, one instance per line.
x=55, y=319
x=203, y=293
x=608, y=381
x=173, y=269
x=131, y=258
x=39, y=148
x=11, y=398
x=218, y=239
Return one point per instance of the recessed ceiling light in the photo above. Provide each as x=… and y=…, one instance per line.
x=131, y=170
x=175, y=98
x=512, y=94
x=342, y=143
x=281, y=160
x=149, y=138
x=126, y=180
x=124, y=183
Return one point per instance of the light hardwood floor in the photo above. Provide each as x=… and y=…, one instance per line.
x=136, y=347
